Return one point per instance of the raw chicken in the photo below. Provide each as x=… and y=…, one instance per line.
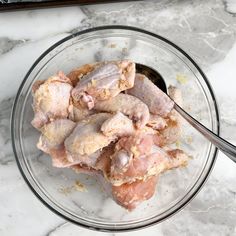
x=87, y=137
x=127, y=152
x=54, y=134
x=134, y=160
x=176, y=95
x=52, y=139
x=36, y=85
x=118, y=125
x=105, y=81
x=104, y=161
x=101, y=166
x=85, y=169
x=51, y=100
x=78, y=113
x=76, y=74
x=130, y=195
x=172, y=132
x=156, y=122
x=145, y=166
x=89, y=160
x=136, y=145
x=127, y=104
x=156, y=100
x=60, y=159
x=117, y=147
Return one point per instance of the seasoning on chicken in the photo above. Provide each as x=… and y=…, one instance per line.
x=105, y=81
x=54, y=134
x=156, y=100
x=156, y=122
x=76, y=74
x=104, y=161
x=51, y=100
x=172, y=132
x=130, y=195
x=59, y=158
x=88, y=137
x=124, y=168
x=134, y=160
x=118, y=125
x=52, y=139
x=78, y=113
x=127, y=104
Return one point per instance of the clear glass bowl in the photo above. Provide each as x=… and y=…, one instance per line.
x=93, y=208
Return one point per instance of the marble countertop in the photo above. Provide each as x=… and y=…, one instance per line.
x=205, y=29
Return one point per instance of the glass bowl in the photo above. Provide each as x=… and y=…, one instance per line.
x=58, y=188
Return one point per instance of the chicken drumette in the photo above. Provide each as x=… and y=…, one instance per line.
x=156, y=100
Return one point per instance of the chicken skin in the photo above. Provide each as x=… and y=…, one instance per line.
x=76, y=74
x=51, y=100
x=157, y=101
x=134, y=160
x=105, y=81
x=127, y=104
x=157, y=122
x=54, y=134
x=118, y=125
x=127, y=152
x=130, y=195
x=88, y=136
x=78, y=113
x=52, y=140
x=172, y=132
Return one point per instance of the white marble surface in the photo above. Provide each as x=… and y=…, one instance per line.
x=205, y=29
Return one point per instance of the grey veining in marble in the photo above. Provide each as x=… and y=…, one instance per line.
x=205, y=29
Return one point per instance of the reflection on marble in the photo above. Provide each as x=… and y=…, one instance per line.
x=205, y=29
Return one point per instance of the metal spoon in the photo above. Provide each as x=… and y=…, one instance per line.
x=227, y=148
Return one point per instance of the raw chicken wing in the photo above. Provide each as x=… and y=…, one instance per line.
x=87, y=137
x=157, y=101
x=52, y=139
x=51, y=100
x=54, y=134
x=118, y=125
x=135, y=159
x=127, y=104
x=127, y=152
x=105, y=81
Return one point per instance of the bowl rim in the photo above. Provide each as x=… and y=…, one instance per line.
x=128, y=28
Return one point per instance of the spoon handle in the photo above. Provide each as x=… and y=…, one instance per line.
x=226, y=147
